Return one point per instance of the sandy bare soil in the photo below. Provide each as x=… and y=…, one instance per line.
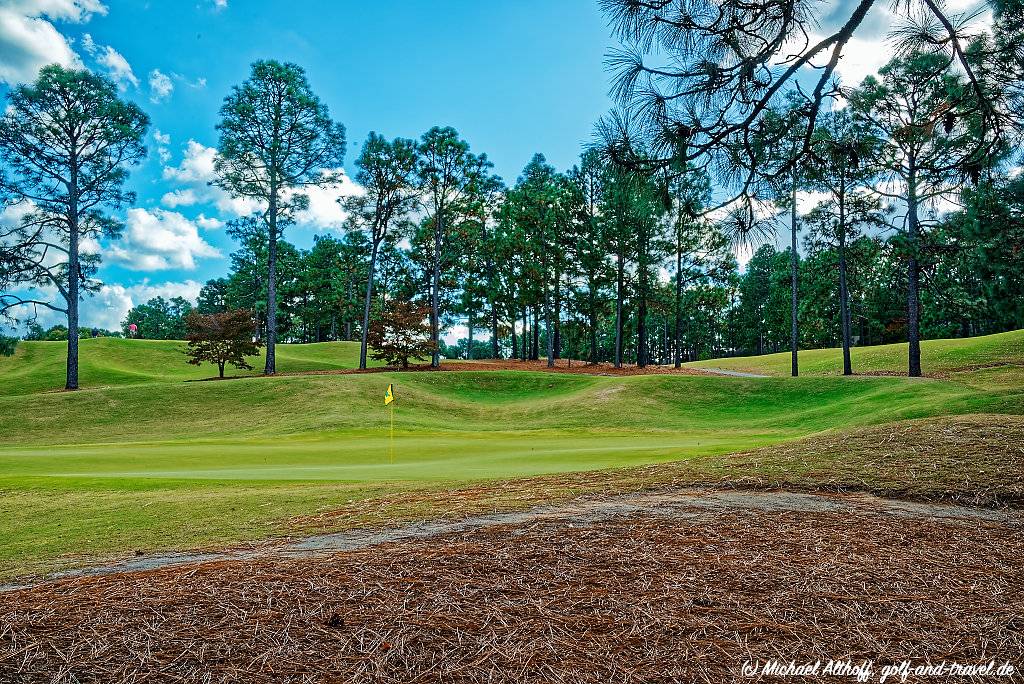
x=675, y=586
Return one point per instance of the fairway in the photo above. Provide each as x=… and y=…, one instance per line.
x=141, y=460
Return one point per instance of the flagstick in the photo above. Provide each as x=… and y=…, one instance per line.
x=391, y=446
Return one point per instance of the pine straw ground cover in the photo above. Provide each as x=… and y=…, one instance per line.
x=651, y=597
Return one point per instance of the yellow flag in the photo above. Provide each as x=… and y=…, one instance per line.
x=389, y=396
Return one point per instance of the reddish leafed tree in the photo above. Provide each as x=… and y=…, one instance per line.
x=221, y=338
x=400, y=333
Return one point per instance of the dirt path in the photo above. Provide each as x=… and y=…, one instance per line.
x=731, y=373
x=679, y=504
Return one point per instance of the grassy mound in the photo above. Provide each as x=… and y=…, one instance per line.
x=939, y=358
x=105, y=361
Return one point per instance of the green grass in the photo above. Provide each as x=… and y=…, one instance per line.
x=104, y=361
x=938, y=357
x=141, y=460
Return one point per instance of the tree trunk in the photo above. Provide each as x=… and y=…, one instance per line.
x=435, y=284
x=679, y=302
x=642, y=341
x=469, y=341
x=556, y=347
x=73, y=283
x=619, y=277
x=641, y=332
x=549, y=333
x=844, y=295
x=348, y=298
x=535, y=335
x=844, y=309
x=220, y=368
x=515, y=346
x=366, y=305
x=794, y=266
x=592, y=296
x=526, y=326
x=495, y=351
x=913, y=278
x=270, y=366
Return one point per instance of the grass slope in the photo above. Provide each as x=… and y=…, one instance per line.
x=104, y=361
x=938, y=357
x=144, y=461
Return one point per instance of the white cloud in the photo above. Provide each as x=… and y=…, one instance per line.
x=89, y=45
x=196, y=166
x=162, y=141
x=195, y=172
x=871, y=47
x=158, y=240
x=193, y=175
x=744, y=253
x=197, y=84
x=112, y=303
x=77, y=11
x=862, y=58
x=12, y=214
x=220, y=4
x=118, y=68
x=179, y=198
x=29, y=40
x=452, y=335
x=160, y=87
x=209, y=223
x=807, y=200
x=324, y=211
x=90, y=245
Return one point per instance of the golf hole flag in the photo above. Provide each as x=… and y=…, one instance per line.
x=389, y=395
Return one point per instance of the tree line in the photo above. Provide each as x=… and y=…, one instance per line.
x=629, y=256
x=612, y=261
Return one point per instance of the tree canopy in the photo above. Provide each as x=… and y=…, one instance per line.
x=276, y=138
x=66, y=143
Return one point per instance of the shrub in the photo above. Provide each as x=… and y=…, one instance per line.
x=221, y=338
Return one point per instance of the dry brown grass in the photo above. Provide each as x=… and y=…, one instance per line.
x=971, y=459
x=646, y=598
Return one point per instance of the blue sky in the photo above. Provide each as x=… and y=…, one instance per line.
x=514, y=77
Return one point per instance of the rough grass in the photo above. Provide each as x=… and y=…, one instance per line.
x=939, y=358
